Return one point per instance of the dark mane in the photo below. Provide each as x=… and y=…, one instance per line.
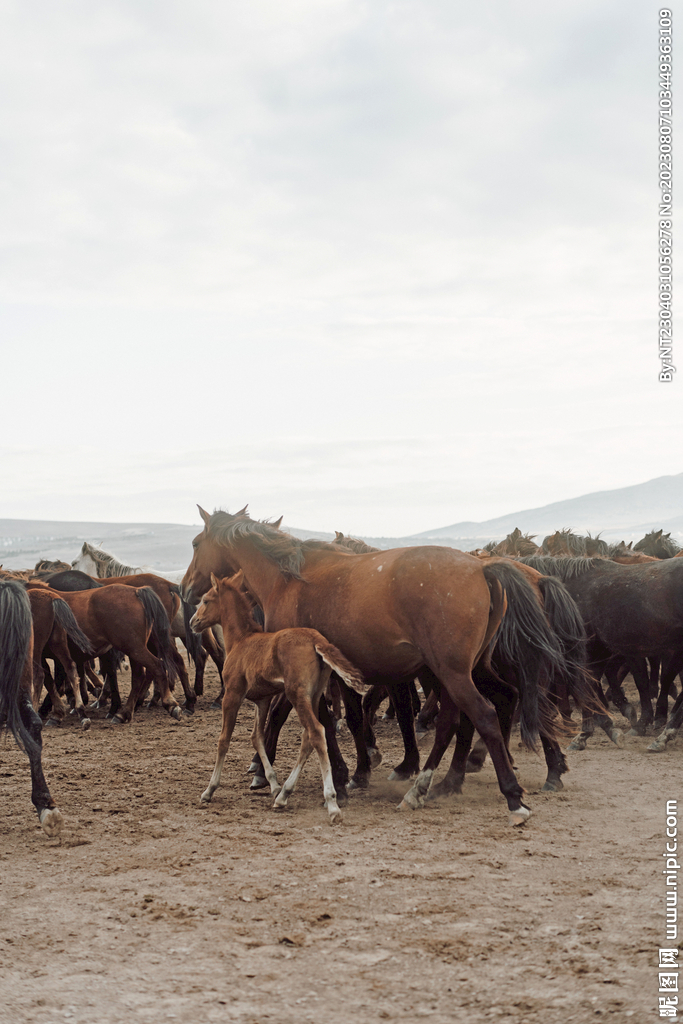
x=287, y=552
x=565, y=568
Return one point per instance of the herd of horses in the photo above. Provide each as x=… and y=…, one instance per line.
x=509, y=632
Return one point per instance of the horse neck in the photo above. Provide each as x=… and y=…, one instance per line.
x=264, y=578
x=236, y=618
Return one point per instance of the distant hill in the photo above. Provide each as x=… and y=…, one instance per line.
x=626, y=512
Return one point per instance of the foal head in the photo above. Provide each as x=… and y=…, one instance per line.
x=228, y=602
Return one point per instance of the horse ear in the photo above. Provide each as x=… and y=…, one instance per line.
x=205, y=515
x=631, y=544
x=338, y=535
x=242, y=511
x=278, y=523
x=214, y=581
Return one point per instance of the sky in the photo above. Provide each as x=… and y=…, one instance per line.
x=379, y=266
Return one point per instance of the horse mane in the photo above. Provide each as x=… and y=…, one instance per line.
x=657, y=538
x=112, y=566
x=286, y=551
x=565, y=568
x=354, y=544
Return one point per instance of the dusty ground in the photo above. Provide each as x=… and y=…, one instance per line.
x=151, y=909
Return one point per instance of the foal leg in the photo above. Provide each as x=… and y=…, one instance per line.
x=235, y=690
x=279, y=713
x=313, y=738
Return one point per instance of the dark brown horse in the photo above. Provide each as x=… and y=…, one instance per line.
x=16, y=709
x=53, y=626
x=391, y=614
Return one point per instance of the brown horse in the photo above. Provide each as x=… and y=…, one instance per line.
x=259, y=665
x=53, y=626
x=127, y=619
x=392, y=613
x=16, y=709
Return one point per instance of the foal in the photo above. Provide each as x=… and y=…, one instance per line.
x=259, y=665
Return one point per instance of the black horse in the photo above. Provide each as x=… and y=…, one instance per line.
x=16, y=709
x=631, y=613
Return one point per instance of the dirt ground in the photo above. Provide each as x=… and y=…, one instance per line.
x=150, y=908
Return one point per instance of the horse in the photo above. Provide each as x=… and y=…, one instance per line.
x=105, y=567
x=631, y=612
x=565, y=629
x=169, y=595
x=392, y=614
x=658, y=544
x=16, y=709
x=516, y=543
x=259, y=665
x=128, y=619
x=53, y=626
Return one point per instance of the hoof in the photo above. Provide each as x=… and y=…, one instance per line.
x=631, y=714
x=472, y=767
x=397, y=776
x=375, y=757
x=405, y=806
x=656, y=747
x=52, y=723
x=85, y=724
x=205, y=798
x=617, y=737
x=186, y=710
x=176, y=713
x=51, y=822
x=216, y=705
x=578, y=744
x=336, y=816
x=260, y=782
x=552, y=786
x=254, y=767
x=116, y=720
x=519, y=816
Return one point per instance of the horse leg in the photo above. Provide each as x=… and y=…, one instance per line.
x=427, y=715
x=354, y=720
x=410, y=765
x=190, y=693
x=655, y=665
x=235, y=690
x=279, y=713
x=675, y=719
x=666, y=689
x=446, y=725
x=340, y=771
x=313, y=738
x=48, y=815
x=483, y=717
x=371, y=702
x=259, y=744
x=615, y=673
x=60, y=648
x=557, y=765
x=641, y=678
x=53, y=698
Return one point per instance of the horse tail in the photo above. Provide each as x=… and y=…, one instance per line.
x=526, y=644
x=192, y=640
x=157, y=620
x=16, y=630
x=568, y=626
x=339, y=664
x=65, y=618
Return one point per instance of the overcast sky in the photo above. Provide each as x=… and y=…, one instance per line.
x=378, y=266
